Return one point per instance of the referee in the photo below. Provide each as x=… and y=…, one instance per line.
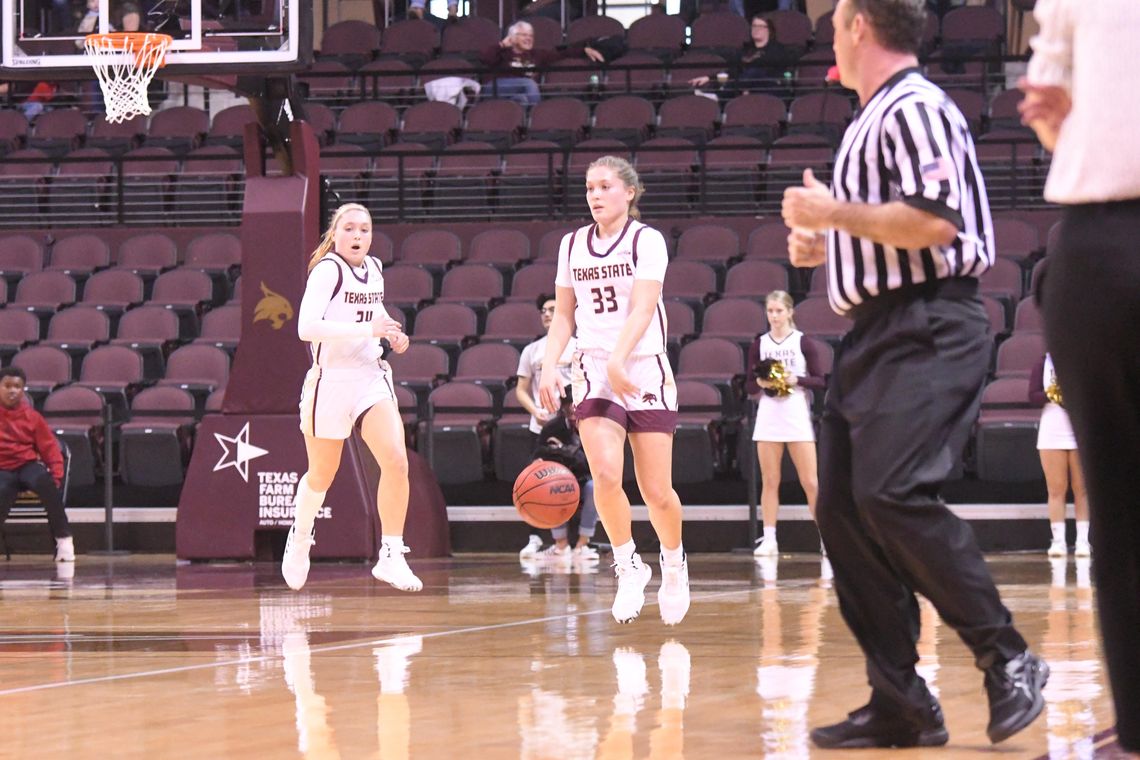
x=905, y=232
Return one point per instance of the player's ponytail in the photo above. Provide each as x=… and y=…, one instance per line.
x=326, y=243
x=628, y=175
x=783, y=297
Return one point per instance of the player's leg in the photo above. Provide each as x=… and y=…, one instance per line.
x=1055, y=464
x=603, y=440
x=653, y=464
x=769, y=454
x=383, y=433
x=323, y=462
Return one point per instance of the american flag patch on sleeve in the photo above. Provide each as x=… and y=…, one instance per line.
x=938, y=170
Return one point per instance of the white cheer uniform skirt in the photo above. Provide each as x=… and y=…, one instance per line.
x=784, y=419
x=1055, y=432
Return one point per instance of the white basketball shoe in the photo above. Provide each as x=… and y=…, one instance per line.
x=295, y=562
x=673, y=596
x=633, y=577
x=393, y=569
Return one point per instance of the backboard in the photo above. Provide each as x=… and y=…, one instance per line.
x=42, y=38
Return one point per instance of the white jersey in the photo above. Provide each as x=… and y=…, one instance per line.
x=789, y=351
x=337, y=310
x=530, y=365
x=602, y=273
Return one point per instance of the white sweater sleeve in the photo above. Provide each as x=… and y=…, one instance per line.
x=311, y=322
x=1052, y=61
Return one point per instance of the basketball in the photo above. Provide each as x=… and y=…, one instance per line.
x=545, y=494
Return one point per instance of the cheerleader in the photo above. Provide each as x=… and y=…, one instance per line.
x=783, y=420
x=1058, y=448
x=342, y=315
x=608, y=287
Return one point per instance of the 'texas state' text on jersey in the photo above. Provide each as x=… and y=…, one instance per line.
x=910, y=143
x=602, y=273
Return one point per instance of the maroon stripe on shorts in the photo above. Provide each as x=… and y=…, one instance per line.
x=661, y=367
x=602, y=407
x=316, y=389
x=652, y=421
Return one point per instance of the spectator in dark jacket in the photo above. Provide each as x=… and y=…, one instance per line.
x=515, y=64
x=30, y=459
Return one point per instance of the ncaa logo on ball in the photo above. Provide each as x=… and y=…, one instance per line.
x=563, y=488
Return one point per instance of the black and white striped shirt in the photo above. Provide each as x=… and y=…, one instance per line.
x=910, y=143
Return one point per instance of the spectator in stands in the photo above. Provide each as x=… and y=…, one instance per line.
x=515, y=64
x=1058, y=448
x=762, y=64
x=783, y=411
x=30, y=459
x=559, y=442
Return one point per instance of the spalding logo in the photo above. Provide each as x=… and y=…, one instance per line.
x=562, y=488
x=273, y=307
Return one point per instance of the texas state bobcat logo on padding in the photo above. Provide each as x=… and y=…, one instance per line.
x=649, y=398
x=273, y=307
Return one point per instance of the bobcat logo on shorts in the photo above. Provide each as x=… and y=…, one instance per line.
x=273, y=307
x=649, y=398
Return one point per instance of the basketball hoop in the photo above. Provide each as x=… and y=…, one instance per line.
x=125, y=63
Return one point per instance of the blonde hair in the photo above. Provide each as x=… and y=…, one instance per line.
x=783, y=297
x=627, y=174
x=326, y=243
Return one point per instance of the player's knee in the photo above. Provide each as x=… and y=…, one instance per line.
x=607, y=477
x=657, y=496
x=320, y=480
x=394, y=463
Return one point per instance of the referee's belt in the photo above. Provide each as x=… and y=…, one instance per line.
x=952, y=288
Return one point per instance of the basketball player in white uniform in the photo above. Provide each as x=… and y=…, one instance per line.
x=342, y=315
x=608, y=288
x=784, y=420
x=1057, y=446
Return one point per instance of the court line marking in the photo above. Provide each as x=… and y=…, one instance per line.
x=338, y=647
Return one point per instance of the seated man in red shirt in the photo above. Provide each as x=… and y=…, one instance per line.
x=30, y=459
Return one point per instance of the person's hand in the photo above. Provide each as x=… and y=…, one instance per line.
x=1044, y=109
x=806, y=249
x=792, y=380
x=808, y=207
x=399, y=342
x=619, y=380
x=550, y=394
x=764, y=383
x=594, y=55
x=699, y=81
x=505, y=42
x=386, y=327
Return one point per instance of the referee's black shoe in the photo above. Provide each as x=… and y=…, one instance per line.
x=1014, y=688
x=871, y=727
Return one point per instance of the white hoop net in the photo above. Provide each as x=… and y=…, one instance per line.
x=125, y=63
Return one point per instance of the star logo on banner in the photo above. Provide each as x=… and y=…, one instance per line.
x=237, y=452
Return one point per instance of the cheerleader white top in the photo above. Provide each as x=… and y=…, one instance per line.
x=785, y=419
x=1055, y=431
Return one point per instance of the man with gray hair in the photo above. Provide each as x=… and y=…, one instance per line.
x=905, y=231
x=515, y=64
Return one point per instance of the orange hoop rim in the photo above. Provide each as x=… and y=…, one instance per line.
x=134, y=42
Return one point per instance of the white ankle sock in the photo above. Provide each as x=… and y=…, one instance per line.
x=306, y=505
x=396, y=542
x=770, y=533
x=623, y=554
x=1058, y=529
x=673, y=556
x=1082, y=531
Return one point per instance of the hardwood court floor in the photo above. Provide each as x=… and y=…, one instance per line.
x=138, y=657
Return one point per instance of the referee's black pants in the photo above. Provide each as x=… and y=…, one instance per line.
x=1091, y=302
x=903, y=396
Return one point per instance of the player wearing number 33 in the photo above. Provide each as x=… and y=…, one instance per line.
x=342, y=316
x=608, y=287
